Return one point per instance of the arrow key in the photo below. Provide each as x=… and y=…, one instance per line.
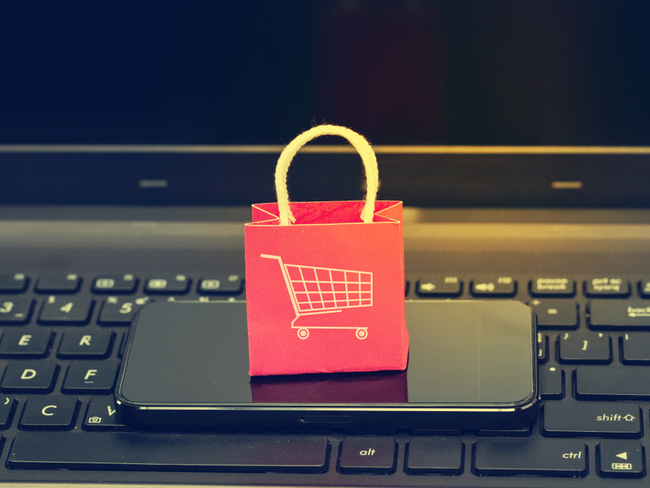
x=620, y=459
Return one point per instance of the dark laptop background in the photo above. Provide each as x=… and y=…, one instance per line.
x=194, y=101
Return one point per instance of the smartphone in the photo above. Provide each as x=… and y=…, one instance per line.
x=472, y=365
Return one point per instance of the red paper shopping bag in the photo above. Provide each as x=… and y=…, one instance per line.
x=325, y=280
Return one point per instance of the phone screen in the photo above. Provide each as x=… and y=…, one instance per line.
x=462, y=353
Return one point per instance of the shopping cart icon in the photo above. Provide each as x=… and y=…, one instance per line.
x=316, y=291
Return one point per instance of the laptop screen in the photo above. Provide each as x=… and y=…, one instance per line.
x=176, y=89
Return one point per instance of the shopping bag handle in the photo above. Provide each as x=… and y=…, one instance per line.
x=358, y=142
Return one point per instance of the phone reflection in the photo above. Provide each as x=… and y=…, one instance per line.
x=375, y=387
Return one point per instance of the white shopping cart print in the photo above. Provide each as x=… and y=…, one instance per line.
x=315, y=291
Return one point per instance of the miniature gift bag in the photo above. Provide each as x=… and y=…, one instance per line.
x=325, y=280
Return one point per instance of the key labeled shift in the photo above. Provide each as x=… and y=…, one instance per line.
x=597, y=419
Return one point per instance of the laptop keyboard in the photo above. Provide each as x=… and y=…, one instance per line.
x=61, y=346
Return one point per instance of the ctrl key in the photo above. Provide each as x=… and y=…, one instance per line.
x=542, y=457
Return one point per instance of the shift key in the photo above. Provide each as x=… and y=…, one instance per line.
x=614, y=314
x=597, y=419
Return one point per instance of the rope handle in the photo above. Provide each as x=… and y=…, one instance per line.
x=356, y=140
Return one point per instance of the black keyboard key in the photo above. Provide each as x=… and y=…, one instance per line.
x=620, y=459
x=542, y=348
x=635, y=348
x=494, y=286
x=66, y=310
x=7, y=407
x=50, y=412
x=28, y=342
x=13, y=282
x=439, y=286
x=176, y=284
x=152, y=451
x=544, y=287
x=612, y=382
x=435, y=455
x=30, y=376
x=585, y=348
x=120, y=310
x=15, y=310
x=100, y=415
x=90, y=377
x=551, y=381
x=556, y=313
x=231, y=284
x=369, y=454
x=644, y=288
x=115, y=283
x=619, y=314
x=596, y=419
x=58, y=283
x=94, y=343
x=603, y=286
x=552, y=457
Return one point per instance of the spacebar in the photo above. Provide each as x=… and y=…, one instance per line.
x=169, y=452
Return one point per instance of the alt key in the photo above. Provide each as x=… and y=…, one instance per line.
x=368, y=455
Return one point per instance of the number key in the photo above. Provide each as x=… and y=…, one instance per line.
x=586, y=348
x=66, y=310
x=15, y=310
x=120, y=310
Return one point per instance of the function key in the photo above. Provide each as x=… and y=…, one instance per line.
x=552, y=287
x=58, y=283
x=226, y=284
x=494, y=286
x=13, y=282
x=439, y=286
x=15, y=310
x=607, y=287
x=115, y=283
x=168, y=283
x=644, y=288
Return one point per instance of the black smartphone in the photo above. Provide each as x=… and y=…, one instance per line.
x=472, y=365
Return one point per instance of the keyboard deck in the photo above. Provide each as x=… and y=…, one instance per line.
x=61, y=346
